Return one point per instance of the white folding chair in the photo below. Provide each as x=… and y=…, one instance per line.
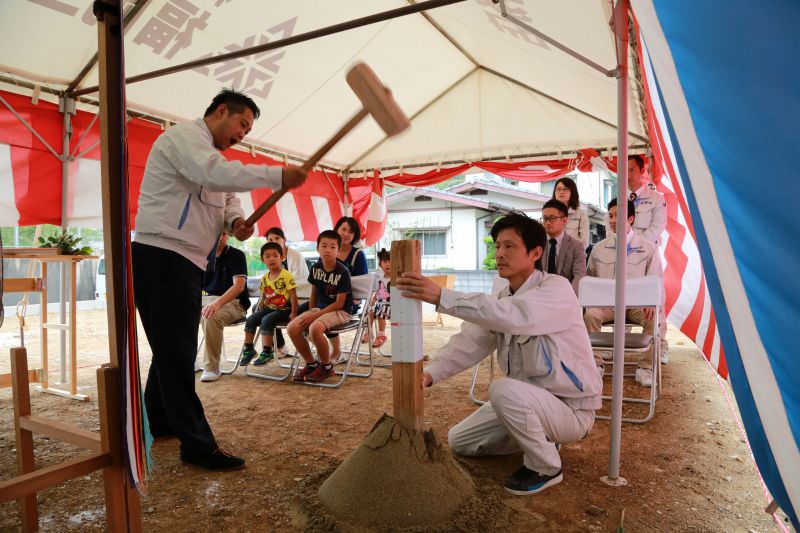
x=251, y=287
x=647, y=291
x=373, y=333
x=498, y=284
x=363, y=287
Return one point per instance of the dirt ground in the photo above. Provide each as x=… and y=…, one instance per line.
x=688, y=470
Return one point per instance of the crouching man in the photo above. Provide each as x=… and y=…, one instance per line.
x=551, y=388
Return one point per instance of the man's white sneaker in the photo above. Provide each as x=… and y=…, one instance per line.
x=644, y=377
x=209, y=375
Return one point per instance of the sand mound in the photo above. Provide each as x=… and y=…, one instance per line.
x=397, y=478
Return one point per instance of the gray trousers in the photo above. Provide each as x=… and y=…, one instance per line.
x=521, y=416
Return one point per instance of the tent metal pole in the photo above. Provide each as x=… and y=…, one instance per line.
x=621, y=28
x=556, y=100
x=569, y=51
x=86, y=150
x=498, y=157
x=314, y=34
x=415, y=115
x=66, y=106
x=29, y=127
x=127, y=21
x=83, y=136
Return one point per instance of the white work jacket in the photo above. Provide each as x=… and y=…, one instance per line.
x=538, y=333
x=643, y=258
x=578, y=225
x=651, y=213
x=186, y=198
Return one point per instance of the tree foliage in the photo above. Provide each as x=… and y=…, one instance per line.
x=490, y=261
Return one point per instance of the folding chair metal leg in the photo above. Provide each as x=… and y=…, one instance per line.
x=371, y=352
x=283, y=377
x=200, y=344
x=290, y=368
x=472, y=385
x=474, y=381
x=655, y=388
x=351, y=358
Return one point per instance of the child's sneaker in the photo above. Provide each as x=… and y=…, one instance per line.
x=247, y=355
x=300, y=375
x=379, y=341
x=264, y=357
x=321, y=373
x=525, y=481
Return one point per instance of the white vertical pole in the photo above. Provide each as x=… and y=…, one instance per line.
x=621, y=28
x=67, y=107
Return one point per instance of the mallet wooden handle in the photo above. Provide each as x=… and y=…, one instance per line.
x=308, y=165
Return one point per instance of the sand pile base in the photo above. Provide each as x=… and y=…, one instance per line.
x=397, y=478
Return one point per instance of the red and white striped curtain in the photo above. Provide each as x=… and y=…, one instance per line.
x=30, y=174
x=688, y=304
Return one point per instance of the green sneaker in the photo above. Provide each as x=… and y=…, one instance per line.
x=264, y=357
x=247, y=355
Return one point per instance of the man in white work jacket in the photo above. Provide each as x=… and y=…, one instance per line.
x=186, y=201
x=551, y=386
x=650, y=207
x=643, y=259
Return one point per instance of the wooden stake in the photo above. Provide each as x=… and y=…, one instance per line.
x=407, y=377
x=26, y=462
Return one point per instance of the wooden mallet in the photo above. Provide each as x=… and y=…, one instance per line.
x=376, y=100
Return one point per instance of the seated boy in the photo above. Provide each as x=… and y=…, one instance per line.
x=276, y=305
x=330, y=304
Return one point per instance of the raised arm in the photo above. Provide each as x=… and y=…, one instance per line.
x=199, y=162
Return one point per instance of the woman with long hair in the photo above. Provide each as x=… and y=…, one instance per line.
x=566, y=191
x=349, y=254
x=353, y=258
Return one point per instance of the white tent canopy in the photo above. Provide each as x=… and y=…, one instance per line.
x=475, y=85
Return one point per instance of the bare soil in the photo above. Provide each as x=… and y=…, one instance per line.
x=688, y=470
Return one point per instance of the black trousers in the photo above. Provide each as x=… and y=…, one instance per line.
x=167, y=289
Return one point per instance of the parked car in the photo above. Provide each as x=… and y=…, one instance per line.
x=100, y=279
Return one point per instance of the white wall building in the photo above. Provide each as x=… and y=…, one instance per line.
x=452, y=223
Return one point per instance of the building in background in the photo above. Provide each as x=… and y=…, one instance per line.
x=453, y=222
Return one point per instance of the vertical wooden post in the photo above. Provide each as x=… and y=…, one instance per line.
x=122, y=502
x=43, y=312
x=407, y=376
x=73, y=329
x=25, y=460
